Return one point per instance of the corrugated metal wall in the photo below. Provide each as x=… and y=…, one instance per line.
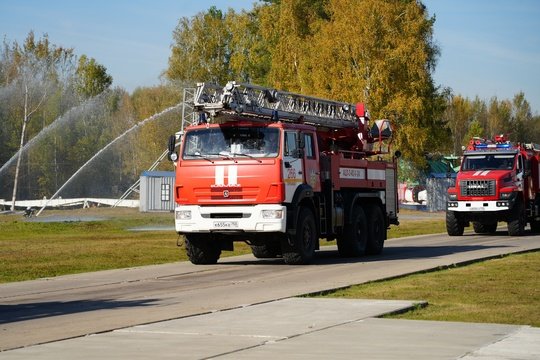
x=436, y=189
x=156, y=191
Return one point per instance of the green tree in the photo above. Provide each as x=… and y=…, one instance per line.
x=250, y=52
x=521, y=118
x=499, y=114
x=457, y=116
x=92, y=78
x=200, y=51
x=35, y=70
x=475, y=130
x=289, y=27
x=385, y=58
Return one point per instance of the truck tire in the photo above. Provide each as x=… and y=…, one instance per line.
x=376, y=230
x=303, y=245
x=517, y=220
x=202, y=249
x=484, y=228
x=454, y=226
x=267, y=250
x=353, y=241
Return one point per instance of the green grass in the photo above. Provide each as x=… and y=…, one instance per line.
x=504, y=290
x=31, y=250
x=417, y=227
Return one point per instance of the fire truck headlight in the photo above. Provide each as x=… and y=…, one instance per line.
x=506, y=195
x=272, y=214
x=452, y=197
x=183, y=215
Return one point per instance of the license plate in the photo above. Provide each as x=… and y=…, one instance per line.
x=225, y=224
x=478, y=209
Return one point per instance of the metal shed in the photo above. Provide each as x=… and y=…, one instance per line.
x=156, y=191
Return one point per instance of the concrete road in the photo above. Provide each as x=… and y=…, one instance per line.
x=298, y=328
x=45, y=310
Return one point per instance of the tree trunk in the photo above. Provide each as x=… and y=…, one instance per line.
x=23, y=131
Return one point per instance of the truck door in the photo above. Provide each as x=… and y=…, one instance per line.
x=311, y=162
x=292, y=164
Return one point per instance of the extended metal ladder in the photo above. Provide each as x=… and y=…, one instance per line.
x=269, y=104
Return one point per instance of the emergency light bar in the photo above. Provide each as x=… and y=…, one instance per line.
x=493, y=146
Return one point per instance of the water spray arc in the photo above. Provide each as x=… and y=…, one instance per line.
x=188, y=118
x=155, y=116
x=64, y=119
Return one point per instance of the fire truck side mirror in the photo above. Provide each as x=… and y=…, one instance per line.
x=173, y=156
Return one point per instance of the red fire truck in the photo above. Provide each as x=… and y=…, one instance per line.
x=279, y=171
x=497, y=181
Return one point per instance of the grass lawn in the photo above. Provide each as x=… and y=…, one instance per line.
x=31, y=250
x=504, y=290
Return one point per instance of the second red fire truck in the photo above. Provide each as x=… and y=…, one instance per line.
x=497, y=181
x=279, y=171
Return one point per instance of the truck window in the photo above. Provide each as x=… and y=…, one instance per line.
x=231, y=141
x=488, y=162
x=309, y=146
x=520, y=164
x=290, y=143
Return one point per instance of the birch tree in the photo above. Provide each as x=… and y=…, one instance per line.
x=37, y=68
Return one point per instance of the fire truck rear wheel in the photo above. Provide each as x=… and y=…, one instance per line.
x=353, y=241
x=303, y=245
x=202, y=249
x=376, y=230
x=454, y=225
x=484, y=228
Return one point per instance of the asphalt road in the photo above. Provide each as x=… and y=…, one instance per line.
x=45, y=310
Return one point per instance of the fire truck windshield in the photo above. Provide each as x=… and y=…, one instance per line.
x=216, y=142
x=488, y=162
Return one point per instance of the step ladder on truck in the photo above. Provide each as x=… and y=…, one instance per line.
x=281, y=171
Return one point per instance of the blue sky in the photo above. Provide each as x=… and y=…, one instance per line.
x=488, y=47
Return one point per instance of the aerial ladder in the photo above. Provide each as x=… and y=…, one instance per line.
x=340, y=122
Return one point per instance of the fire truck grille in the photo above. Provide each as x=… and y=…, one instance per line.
x=477, y=187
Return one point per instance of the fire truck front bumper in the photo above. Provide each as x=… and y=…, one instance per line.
x=479, y=206
x=220, y=219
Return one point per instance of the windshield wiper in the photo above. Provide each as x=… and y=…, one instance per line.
x=201, y=156
x=247, y=155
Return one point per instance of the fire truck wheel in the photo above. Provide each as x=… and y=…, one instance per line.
x=517, y=220
x=202, y=249
x=484, y=228
x=376, y=230
x=352, y=242
x=303, y=248
x=454, y=226
x=267, y=250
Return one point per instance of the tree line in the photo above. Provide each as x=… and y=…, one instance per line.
x=60, y=110
x=381, y=53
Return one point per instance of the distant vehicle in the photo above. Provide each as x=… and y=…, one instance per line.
x=29, y=212
x=497, y=181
